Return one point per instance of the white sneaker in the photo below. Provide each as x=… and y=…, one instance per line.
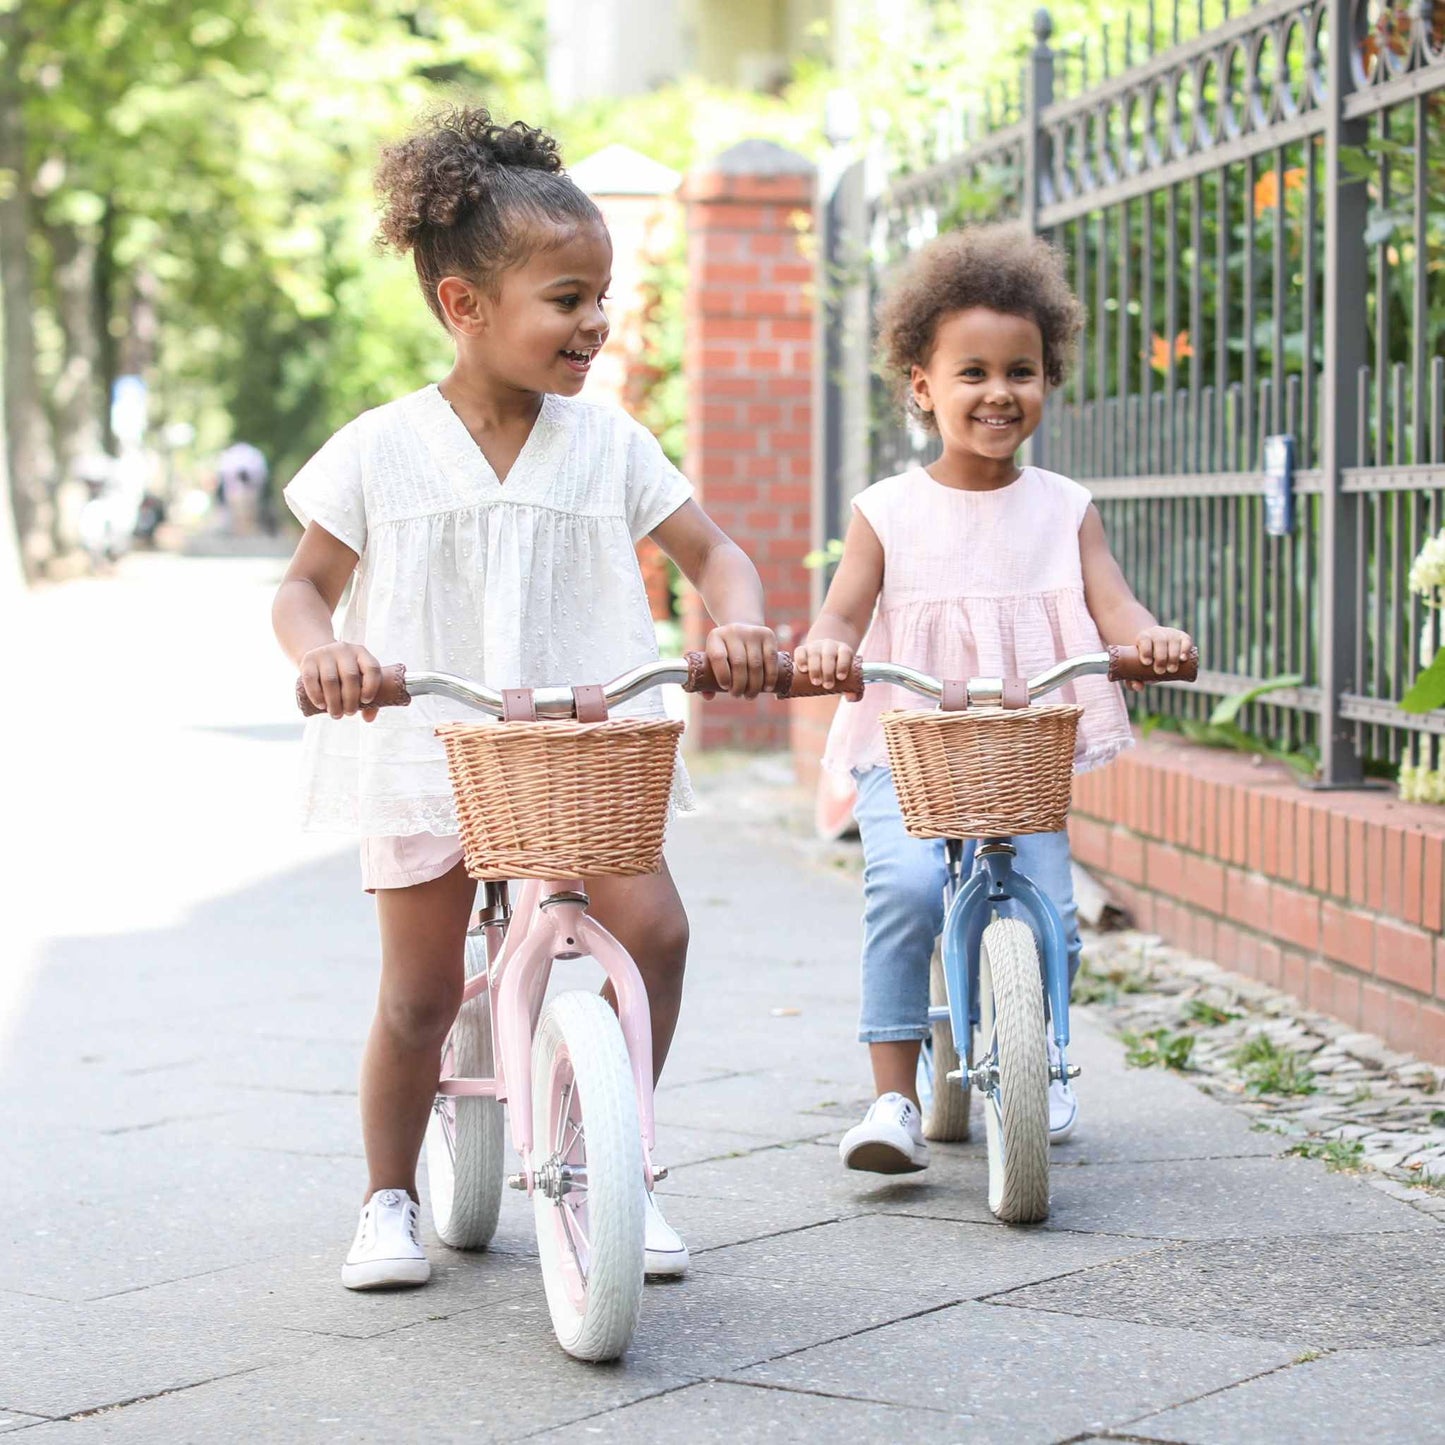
x=387, y=1250
x=666, y=1253
x=1063, y=1103
x=888, y=1141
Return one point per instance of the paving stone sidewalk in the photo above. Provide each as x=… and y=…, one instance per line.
x=179, y=1028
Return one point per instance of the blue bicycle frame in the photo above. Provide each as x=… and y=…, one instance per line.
x=971, y=904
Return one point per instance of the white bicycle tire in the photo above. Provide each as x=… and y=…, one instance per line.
x=945, y=1101
x=465, y=1144
x=591, y=1251
x=1016, y=1115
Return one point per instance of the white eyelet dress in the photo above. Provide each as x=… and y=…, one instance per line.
x=524, y=583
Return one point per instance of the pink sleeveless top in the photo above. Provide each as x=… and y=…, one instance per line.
x=978, y=584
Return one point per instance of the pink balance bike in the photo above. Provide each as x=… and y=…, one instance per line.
x=557, y=793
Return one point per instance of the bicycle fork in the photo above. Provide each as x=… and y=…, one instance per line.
x=551, y=924
x=971, y=905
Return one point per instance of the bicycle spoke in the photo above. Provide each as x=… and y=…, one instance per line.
x=564, y=1152
x=577, y=1240
x=564, y=1114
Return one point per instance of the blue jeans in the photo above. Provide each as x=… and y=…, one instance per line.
x=903, y=882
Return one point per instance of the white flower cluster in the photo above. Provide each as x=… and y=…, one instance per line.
x=1427, y=572
x=1421, y=784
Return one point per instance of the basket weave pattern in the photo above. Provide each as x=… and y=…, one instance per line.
x=984, y=772
x=562, y=799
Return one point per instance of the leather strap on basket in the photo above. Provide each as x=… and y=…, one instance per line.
x=1015, y=692
x=518, y=705
x=589, y=702
x=955, y=697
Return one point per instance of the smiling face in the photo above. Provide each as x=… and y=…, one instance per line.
x=984, y=382
x=541, y=328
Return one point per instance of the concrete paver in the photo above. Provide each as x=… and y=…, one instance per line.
x=1383, y=1396
x=1337, y=1290
x=181, y=1011
x=1031, y=1376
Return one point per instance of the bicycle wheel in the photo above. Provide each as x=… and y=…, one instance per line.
x=589, y=1184
x=465, y=1162
x=945, y=1101
x=1011, y=1046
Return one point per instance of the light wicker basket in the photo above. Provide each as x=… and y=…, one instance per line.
x=983, y=772
x=562, y=799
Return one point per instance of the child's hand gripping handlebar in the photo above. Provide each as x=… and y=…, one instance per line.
x=694, y=673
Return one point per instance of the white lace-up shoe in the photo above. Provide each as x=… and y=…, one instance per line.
x=666, y=1253
x=888, y=1141
x=1063, y=1103
x=387, y=1251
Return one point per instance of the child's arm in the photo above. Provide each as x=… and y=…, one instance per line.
x=338, y=676
x=742, y=648
x=827, y=655
x=1121, y=618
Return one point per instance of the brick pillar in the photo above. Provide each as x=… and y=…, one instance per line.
x=638, y=199
x=749, y=366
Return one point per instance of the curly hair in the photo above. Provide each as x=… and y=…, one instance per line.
x=1004, y=268
x=470, y=197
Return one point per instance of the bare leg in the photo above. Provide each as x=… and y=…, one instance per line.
x=646, y=916
x=423, y=943
x=895, y=1067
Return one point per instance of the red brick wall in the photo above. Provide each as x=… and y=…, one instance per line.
x=656, y=577
x=1337, y=898
x=809, y=719
x=749, y=362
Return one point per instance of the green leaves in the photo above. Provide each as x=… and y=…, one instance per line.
x=1229, y=709
x=826, y=556
x=1428, y=692
x=224, y=149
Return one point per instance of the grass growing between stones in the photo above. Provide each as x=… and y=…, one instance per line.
x=1209, y=1015
x=1269, y=1069
x=1104, y=985
x=1158, y=1049
x=1340, y=1155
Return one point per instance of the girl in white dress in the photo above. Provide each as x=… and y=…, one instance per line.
x=488, y=526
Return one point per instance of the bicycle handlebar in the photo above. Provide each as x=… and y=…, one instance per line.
x=694, y=673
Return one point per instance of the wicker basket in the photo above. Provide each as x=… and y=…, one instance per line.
x=562, y=799
x=984, y=772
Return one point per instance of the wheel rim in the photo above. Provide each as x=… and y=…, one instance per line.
x=993, y=1089
x=442, y=1157
x=925, y=1075
x=564, y=1170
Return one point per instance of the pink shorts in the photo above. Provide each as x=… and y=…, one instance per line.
x=403, y=862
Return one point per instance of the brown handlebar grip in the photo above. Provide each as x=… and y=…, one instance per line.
x=701, y=677
x=391, y=693
x=801, y=685
x=1125, y=665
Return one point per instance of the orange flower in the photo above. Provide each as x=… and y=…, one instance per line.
x=1266, y=188
x=1159, y=352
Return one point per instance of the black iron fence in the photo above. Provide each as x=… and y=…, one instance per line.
x=1255, y=218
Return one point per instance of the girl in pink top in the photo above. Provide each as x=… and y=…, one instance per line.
x=970, y=567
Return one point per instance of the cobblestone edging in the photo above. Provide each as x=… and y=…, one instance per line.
x=1338, y=1095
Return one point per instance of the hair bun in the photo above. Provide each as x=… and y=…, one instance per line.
x=433, y=178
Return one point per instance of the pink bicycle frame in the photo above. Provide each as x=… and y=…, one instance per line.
x=550, y=922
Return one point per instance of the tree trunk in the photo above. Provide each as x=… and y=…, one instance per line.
x=12, y=570
x=29, y=454
x=76, y=395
